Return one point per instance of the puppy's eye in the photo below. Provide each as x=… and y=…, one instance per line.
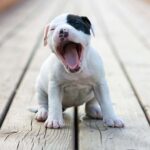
x=52, y=29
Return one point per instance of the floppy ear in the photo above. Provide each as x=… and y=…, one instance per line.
x=88, y=23
x=45, y=34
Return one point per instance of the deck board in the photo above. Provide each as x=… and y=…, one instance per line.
x=134, y=56
x=137, y=17
x=15, y=17
x=133, y=136
x=122, y=37
x=16, y=53
x=20, y=130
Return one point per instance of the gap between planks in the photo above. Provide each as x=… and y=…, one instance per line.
x=8, y=104
x=33, y=51
x=13, y=93
x=114, y=49
x=137, y=70
x=15, y=56
x=136, y=133
x=20, y=81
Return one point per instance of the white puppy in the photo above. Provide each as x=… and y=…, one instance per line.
x=73, y=74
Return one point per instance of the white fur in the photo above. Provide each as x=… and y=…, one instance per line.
x=57, y=88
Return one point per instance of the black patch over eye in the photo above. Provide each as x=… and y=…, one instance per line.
x=80, y=23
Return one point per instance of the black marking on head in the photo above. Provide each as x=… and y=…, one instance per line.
x=80, y=23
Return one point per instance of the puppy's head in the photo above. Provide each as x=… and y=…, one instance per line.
x=68, y=36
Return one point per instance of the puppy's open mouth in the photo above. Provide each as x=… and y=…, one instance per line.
x=71, y=55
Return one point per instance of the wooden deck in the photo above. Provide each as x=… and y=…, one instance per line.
x=123, y=39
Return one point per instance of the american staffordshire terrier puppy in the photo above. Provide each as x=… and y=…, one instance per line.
x=73, y=74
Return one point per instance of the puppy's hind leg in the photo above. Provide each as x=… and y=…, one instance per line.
x=42, y=112
x=93, y=110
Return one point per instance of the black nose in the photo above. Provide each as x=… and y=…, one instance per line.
x=63, y=33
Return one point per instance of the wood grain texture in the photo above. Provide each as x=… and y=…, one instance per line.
x=134, y=54
x=15, y=54
x=14, y=18
x=122, y=38
x=20, y=130
x=136, y=134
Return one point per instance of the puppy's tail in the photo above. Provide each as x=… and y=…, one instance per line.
x=32, y=109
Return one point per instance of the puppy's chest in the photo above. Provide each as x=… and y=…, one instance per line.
x=76, y=94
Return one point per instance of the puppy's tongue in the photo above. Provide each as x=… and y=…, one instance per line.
x=71, y=56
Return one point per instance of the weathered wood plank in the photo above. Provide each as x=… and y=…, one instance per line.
x=135, y=15
x=13, y=19
x=15, y=54
x=135, y=57
x=20, y=130
x=92, y=134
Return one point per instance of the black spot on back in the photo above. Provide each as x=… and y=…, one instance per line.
x=80, y=23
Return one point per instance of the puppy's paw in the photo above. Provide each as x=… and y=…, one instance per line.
x=114, y=123
x=94, y=111
x=54, y=124
x=41, y=115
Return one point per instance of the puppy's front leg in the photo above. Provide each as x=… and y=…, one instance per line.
x=102, y=95
x=55, y=118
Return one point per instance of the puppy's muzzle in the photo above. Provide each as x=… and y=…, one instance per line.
x=63, y=33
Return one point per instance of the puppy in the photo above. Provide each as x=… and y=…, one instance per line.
x=73, y=74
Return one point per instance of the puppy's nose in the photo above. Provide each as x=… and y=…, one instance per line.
x=63, y=33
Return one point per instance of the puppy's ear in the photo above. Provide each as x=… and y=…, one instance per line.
x=45, y=34
x=88, y=23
